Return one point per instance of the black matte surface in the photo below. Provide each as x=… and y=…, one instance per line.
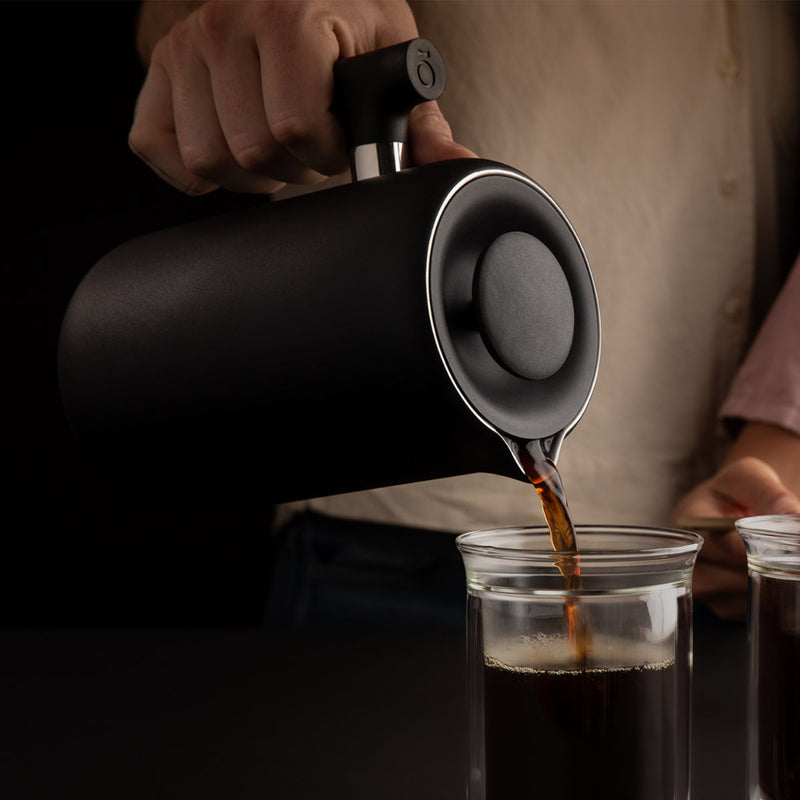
x=244, y=714
x=287, y=350
x=376, y=91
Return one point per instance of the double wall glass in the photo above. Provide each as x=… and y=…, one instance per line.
x=579, y=666
x=773, y=626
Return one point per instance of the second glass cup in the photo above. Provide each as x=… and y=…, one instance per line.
x=773, y=628
x=579, y=666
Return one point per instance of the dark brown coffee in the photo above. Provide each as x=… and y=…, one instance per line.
x=541, y=471
x=777, y=645
x=559, y=727
x=543, y=474
x=599, y=733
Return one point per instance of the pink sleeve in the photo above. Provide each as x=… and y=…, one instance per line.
x=767, y=386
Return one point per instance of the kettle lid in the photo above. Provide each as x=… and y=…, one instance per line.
x=513, y=305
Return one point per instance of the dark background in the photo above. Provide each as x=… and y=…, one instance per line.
x=76, y=548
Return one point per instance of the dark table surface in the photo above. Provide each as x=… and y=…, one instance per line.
x=255, y=713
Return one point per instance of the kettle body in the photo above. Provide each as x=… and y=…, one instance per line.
x=346, y=339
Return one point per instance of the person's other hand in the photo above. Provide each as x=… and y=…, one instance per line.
x=744, y=487
x=238, y=93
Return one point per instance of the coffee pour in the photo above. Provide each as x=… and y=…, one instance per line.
x=345, y=339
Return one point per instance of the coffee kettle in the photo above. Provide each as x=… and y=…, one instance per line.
x=407, y=326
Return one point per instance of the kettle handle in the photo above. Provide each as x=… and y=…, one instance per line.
x=373, y=96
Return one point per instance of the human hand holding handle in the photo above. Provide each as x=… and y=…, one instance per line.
x=238, y=94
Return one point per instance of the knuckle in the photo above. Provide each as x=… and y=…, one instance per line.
x=146, y=144
x=161, y=50
x=139, y=142
x=214, y=21
x=270, y=14
x=251, y=156
x=146, y=148
x=199, y=161
x=177, y=41
x=292, y=130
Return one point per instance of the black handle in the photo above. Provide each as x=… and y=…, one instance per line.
x=375, y=92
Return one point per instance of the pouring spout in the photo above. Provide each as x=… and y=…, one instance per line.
x=549, y=448
x=552, y=446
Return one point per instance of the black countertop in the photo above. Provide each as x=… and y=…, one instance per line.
x=255, y=713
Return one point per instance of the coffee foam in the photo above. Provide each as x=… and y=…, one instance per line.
x=551, y=653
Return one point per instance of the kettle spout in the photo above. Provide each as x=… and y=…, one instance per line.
x=549, y=448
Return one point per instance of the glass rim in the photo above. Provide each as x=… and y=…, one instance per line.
x=683, y=543
x=778, y=526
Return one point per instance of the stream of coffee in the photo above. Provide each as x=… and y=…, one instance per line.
x=541, y=471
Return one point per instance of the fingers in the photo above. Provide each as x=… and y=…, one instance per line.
x=430, y=137
x=153, y=137
x=239, y=93
x=297, y=57
x=211, y=113
x=201, y=119
x=224, y=134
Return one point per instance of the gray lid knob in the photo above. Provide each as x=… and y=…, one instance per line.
x=524, y=306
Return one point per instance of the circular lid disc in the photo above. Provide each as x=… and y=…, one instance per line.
x=524, y=305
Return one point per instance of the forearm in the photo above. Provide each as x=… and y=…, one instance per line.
x=156, y=17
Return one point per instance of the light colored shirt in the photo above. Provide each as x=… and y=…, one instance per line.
x=655, y=130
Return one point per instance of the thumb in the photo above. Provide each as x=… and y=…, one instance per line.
x=430, y=136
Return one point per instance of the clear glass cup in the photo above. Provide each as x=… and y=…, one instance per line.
x=579, y=667
x=773, y=633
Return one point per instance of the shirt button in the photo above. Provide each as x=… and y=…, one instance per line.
x=728, y=186
x=734, y=309
x=727, y=67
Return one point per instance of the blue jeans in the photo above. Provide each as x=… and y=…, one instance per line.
x=338, y=573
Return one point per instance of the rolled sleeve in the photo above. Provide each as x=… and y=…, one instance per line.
x=767, y=386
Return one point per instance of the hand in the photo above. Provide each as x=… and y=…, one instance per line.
x=744, y=487
x=238, y=93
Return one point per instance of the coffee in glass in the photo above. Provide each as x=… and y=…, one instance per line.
x=610, y=717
